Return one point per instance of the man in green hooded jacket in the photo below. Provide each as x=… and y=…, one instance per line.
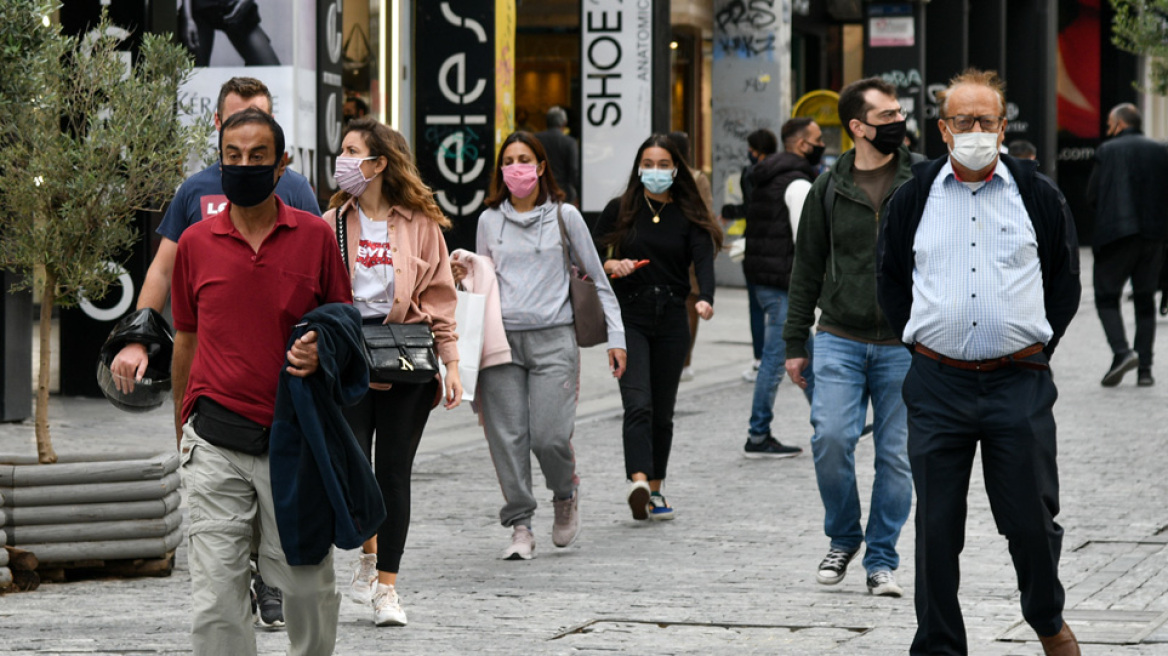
x=857, y=356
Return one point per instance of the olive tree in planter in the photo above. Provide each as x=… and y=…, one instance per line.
x=86, y=140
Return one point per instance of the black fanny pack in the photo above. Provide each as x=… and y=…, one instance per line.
x=229, y=430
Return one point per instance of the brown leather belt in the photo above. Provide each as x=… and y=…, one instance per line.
x=1014, y=359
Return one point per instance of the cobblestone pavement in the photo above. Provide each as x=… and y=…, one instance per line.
x=733, y=574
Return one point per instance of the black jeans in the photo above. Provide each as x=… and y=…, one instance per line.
x=657, y=340
x=1009, y=412
x=398, y=416
x=1138, y=259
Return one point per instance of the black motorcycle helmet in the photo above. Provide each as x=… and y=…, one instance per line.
x=147, y=327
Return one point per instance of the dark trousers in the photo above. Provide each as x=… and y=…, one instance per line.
x=1137, y=259
x=398, y=416
x=1009, y=411
x=657, y=338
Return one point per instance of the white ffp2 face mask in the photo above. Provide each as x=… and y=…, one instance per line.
x=975, y=150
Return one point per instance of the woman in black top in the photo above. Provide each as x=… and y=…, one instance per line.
x=650, y=236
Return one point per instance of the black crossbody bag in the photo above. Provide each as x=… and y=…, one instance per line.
x=395, y=352
x=227, y=429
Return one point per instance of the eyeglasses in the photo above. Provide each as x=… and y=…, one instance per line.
x=963, y=123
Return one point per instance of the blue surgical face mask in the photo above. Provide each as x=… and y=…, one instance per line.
x=657, y=180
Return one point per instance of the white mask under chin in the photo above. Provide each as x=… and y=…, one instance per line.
x=975, y=150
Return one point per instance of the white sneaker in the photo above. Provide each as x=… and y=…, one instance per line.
x=638, y=498
x=751, y=374
x=364, y=579
x=387, y=610
x=522, y=544
x=687, y=374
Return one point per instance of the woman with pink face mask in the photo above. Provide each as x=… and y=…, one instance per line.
x=400, y=273
x=529, y=405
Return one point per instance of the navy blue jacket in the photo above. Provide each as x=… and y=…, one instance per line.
x=322, y=485
x=1058, y=246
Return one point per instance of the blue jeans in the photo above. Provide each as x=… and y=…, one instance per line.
x=773, y=302
x=757, y=325
x=847, y=374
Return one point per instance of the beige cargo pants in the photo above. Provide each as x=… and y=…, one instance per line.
x=227, y=491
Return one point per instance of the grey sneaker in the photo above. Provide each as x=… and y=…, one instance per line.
x=834, y=566
x=522, y=544
x=883, y=584
x=566, y=527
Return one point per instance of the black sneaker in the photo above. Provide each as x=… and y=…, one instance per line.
x=1120, y=365
x=834, y=566
x=1145, y=378
x=270, y=601
x=770, y=448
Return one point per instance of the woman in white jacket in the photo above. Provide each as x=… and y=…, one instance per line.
x=529, y=405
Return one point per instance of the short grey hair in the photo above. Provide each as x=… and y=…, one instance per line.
x=557, y=117
x=1128, y=113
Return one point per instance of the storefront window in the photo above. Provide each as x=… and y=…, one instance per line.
x=362, y=43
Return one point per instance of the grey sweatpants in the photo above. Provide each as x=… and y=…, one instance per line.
x=530, y=406
x=226, y=491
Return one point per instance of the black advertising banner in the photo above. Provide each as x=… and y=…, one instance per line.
x=894, y=49
x=83, y=329
x=454, y=107
x=330, y=95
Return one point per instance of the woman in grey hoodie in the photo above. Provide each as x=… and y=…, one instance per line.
x=529, y=405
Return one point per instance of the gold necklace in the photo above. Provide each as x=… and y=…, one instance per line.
x=656, y=212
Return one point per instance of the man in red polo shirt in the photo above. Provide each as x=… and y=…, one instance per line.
x=242, y=280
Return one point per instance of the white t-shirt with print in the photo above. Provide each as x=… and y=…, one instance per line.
x=373, y=270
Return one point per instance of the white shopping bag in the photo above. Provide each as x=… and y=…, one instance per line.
x=469, y=319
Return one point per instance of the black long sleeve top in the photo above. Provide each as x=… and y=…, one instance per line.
x=670, y=245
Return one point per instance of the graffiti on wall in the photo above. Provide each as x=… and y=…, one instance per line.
x=751, y=83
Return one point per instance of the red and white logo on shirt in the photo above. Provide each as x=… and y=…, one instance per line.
x=372, y=253
x=212, y=204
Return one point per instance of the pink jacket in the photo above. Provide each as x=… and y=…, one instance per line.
x=480, y=279
x=421, y=268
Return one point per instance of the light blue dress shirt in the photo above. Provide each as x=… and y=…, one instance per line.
x=977, y=280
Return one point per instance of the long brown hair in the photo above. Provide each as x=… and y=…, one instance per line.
x=684, y=191
x=547, y=182
x=400, y=182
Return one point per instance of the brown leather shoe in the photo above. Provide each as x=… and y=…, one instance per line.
x=1062, y=643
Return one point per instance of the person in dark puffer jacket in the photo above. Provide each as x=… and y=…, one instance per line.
x=780, y=185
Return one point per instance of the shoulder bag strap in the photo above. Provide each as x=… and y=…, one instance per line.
x=342, y=237
x=564, y=243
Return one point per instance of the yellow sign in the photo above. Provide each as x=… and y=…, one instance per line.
x=504, y=71
x=823, y=107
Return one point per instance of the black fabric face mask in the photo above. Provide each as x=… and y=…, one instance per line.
x=889, y=136
x=248, y=186
x=815, y=155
